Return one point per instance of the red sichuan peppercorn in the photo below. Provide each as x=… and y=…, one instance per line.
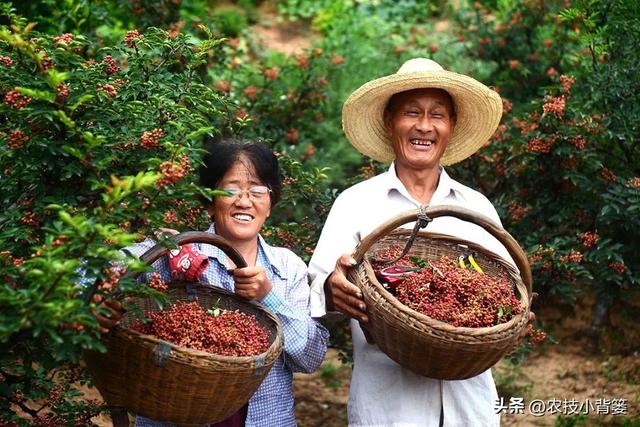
x=187, y=324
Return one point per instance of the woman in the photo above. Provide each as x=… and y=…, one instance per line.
x=275, y=277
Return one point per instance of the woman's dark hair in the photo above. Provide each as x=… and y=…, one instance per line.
x=223, y=153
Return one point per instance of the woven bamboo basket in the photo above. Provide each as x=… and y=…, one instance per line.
x=159, y=380
x=423, y=345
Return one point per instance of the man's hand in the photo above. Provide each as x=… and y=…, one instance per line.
x=346, y=297
x=252, y=282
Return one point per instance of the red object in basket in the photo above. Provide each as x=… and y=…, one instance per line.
x=395, y=274
x=187, y=263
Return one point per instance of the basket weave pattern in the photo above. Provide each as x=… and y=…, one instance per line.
x=426, y=346
x=164, y=382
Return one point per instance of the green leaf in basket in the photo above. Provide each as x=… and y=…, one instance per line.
x=418, y=262
x=215, y=312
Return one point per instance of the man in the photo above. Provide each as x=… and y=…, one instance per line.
x=418, y=119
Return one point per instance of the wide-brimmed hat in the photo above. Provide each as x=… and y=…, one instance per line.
x=478, y=110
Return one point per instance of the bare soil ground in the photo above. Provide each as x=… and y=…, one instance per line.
x=278, y=34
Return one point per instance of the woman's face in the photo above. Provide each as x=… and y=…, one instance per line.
x=240, y=218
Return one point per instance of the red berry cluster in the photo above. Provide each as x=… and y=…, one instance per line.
x=17, y=139
x=131, y=37
x=251, y=92
x=112, y=67
x=302, y=61
x=573, y=257
x=173, y=172
x=156, y=282
x=617, y=267
x=578, y=142
x=535, y=336
x=240, y=114
x=223, y=86
x=62, y=91
x=65, y=38
x=108, y=89
x=607, y=175
x=15, y=261
x=170, y=217
x=539, y=145
x=287, y=238
x=113, y=275
x=59, y=241
x=271, y=73
x=192, y=214
x=567, y=82
x=292, y=135
x=447, y=292
x=589, y=239
x=16, y=99
x=555, y=106
x=46, y=62
x=187, y=324
x=30, y=219
x=337, y=60
x=6, y=61
x=634, y=182
x=150, y=140
x=517, y=211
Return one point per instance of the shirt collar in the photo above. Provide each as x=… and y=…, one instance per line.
x=264, y=250
x=446, y=186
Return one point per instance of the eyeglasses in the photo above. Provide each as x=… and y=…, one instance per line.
x=257, y=192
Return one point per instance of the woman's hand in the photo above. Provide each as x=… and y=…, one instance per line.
x=108, y=322
x=252, y=282
x=346, y=297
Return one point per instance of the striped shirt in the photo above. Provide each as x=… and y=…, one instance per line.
x=305, y=340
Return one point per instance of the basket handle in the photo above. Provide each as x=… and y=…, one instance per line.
x=464, y=214
x=157, y=251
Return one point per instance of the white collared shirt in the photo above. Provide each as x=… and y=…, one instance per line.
x=382, y=393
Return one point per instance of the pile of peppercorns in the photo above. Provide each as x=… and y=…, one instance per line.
x=223, y=332
x=445, y=291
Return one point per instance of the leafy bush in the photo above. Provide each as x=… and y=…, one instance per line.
x=98, y=145
x=563, y=167
x=230, y=22
x=523, y=42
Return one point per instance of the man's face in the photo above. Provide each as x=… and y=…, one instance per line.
x=420, y=123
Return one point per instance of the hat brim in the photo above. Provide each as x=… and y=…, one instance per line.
x=478, y=113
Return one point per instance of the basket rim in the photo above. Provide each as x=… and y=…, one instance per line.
x=277, y=343
x=438, y=324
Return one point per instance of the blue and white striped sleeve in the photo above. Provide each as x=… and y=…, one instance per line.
x=305, y=340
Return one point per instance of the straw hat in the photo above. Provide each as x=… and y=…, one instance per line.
x=478, y=110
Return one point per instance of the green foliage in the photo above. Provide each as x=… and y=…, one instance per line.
x=329, y=374
x=98, y=147
x=523, y=41
x=230, y=22
x=563, y=166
